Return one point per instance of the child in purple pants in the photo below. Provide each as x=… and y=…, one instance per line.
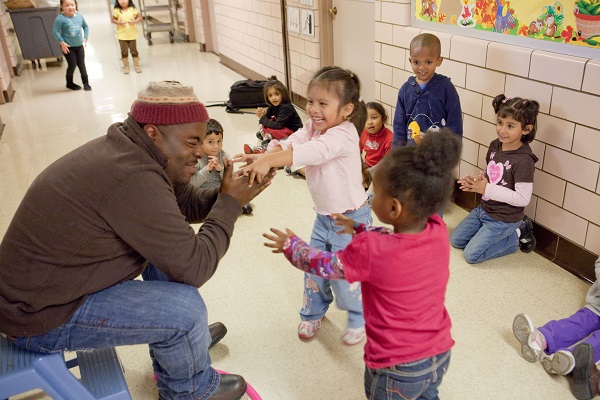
x=569, y=345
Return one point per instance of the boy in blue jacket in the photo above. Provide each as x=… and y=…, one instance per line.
x=427, y=100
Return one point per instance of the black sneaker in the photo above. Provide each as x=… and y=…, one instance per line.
x=527, y=241
x=586, y=377
x=73, y=86
x=259, y=135
x=289, y=171
x=265, y=142
x=87, y=87
x=247, y=209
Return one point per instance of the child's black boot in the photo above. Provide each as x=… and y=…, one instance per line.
x=527, y=241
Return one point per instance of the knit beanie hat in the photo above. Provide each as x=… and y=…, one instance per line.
x=168, y=103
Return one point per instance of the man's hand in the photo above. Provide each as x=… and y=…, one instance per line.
x=278, y=239
x=239, y=187
x=257, y=171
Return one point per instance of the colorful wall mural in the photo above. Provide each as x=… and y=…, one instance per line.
x=573, y=22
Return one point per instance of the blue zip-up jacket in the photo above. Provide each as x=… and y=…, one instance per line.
x=436, y=105
x=68, y=29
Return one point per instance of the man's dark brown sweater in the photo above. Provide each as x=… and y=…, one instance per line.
x=93, y=218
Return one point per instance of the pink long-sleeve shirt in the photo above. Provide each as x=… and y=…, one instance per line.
x=333, y=166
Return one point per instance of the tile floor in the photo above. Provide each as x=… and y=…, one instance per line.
x=258, y=294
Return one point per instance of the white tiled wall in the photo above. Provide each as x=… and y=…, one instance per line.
x=249, y=32
x=567, y=185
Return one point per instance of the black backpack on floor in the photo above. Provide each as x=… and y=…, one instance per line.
x=246, y=94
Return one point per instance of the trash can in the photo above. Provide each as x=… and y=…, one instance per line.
x=33, y=27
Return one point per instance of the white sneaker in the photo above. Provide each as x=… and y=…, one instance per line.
x=308, y=329
x=560, y=363
x=353, y=336
x=532, y=341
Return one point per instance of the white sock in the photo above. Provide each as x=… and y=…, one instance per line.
x=518, y=232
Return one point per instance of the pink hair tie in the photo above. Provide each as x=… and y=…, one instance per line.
x=505, y=100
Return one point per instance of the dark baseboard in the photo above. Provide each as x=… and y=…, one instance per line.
x=570, y=256
x=298, y=100
x=239, y=68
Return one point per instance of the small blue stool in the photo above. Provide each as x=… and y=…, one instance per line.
x=23, y=370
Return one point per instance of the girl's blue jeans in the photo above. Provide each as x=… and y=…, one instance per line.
x=171, y=317
x=416, y=380
x=484, y=238
x=317, y=290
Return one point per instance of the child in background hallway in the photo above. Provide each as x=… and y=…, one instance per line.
x=557, y=344
x=279, y=120
x=376, y=139
x=498, y=226
x=210, y=167
x=71, y=31
x=125, y=15
x=427, y=100
x=403, y=273
x=328, y=147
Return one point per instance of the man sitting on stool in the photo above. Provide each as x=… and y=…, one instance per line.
x=93, y=219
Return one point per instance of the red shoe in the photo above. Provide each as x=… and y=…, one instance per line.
x=249, y=149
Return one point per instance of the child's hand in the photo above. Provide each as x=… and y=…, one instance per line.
x=347, y=223
x=215, y=163
x=260, y=111
x=257, y=170
x=278, y=239
x=475, y=184
x=247, y=158
x=64, y=47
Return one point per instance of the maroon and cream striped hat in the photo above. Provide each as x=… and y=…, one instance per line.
x=168, y=103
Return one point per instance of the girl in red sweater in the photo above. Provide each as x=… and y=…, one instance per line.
x=403, y=272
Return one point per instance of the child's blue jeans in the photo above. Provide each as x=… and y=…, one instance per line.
x=171, y=317
x=416, y=380
x=484, y=238
x=317, y=290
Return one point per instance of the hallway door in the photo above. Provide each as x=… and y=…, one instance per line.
x=353, y=26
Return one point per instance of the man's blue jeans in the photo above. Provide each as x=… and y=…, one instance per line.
x=318, y=291
x=171, y=317
x=416, y=380
x=484, y=238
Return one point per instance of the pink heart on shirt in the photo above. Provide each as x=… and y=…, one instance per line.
x=495, y=172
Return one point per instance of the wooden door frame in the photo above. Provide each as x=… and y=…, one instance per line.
x=326, y=33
